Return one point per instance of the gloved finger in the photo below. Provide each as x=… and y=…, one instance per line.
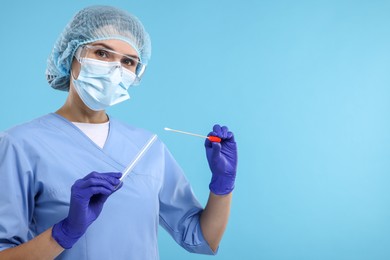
x=109, y=176
x=113, y=180
x=216, y=149
x=217, y=130
x=114, y=174
x=95, y=190
x=213, y=133
x=230, y=136
x=119, y=186
x=107, y=182
x=224, y=131
x=207, y=142
x=98, y=175
x=113, y=177
x=91, y=175
x=89, y=192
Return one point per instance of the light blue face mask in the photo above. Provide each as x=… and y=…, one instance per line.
x=102, y=84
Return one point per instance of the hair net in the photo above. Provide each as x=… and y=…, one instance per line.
x=89, y=25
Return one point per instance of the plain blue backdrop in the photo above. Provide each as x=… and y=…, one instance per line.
x=304, y=85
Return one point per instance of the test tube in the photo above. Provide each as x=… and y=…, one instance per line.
x=140, y=154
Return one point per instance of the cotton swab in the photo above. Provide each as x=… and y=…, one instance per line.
x=211, y=138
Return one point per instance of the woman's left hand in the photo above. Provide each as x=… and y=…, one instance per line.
x=222, y=159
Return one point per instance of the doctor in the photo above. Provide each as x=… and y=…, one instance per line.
x=60, y=194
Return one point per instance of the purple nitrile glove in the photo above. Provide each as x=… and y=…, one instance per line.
x=222, y=158
x=86, y=202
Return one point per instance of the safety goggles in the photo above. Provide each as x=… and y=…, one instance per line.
x=100, y=53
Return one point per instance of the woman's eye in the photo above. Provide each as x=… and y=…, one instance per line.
x=102, y=53
x=129, y=62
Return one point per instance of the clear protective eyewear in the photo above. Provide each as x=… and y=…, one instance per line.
x=100, y=53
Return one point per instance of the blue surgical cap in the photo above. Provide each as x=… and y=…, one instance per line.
x=92, y=24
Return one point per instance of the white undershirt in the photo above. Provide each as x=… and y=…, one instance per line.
x=98, y=133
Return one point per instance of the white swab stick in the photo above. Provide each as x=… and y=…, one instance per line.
x=182, y=132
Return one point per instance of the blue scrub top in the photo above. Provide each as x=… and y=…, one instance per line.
x=40, y=161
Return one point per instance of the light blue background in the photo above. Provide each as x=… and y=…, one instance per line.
x=305, y=86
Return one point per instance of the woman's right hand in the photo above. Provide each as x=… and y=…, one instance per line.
x=88, y=196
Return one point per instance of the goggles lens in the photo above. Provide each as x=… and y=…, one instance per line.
x=131, y=63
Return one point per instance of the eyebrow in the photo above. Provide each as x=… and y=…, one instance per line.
x=111, y=49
